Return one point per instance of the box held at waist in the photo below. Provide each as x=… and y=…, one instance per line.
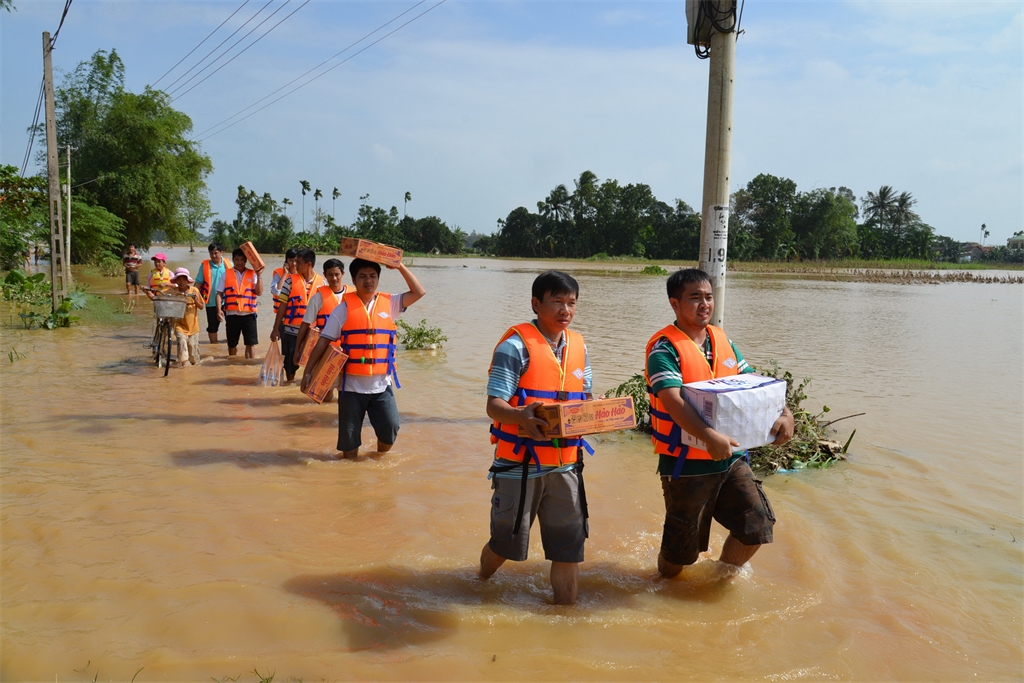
x=578, y=418
x=326, y=373
x=744, y=407
x=370, y=251
x=312, y=337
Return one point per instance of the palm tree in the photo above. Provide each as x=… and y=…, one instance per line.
x=305, y=189
x=408, y=198
x=316, y=198
x=984, y=234
x=334, y=203
x=879, y=206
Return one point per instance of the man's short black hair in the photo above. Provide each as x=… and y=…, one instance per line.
x=359, y=264
x=238, y=252
x=334, y=263
x=555, y=282
x=290, y=254
x=130, y=244
x=678, y=280
x=307, y=255
x=213, y=247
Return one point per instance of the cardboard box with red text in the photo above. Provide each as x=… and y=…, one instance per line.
x=578, y=418
x=325, y=375
x=312, y=337
x=252, y=256
x=371, y=251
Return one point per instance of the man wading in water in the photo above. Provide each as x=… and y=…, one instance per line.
x=364, y=321
x=700, y=485
x=537, y=363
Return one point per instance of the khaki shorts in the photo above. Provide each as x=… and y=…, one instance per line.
x=733, y=498
x=554, y=498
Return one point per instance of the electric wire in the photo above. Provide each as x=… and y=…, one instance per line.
x=323, y=73
x=242, y=51
x=201, y=43
x=711, y=20
x=32, y=130
x=309, y=71
x=53, y=39
x=207, y=55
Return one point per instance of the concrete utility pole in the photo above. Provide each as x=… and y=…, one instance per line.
x=58, y=265
x=714, y=225
x=67, y=226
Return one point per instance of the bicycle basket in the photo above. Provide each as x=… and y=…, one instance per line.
x=169, y=306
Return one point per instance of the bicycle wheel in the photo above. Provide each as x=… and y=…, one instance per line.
x=170, y=339
x=158, y=339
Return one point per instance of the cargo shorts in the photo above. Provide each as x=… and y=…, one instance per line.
x=733, y=498
x=554, y=498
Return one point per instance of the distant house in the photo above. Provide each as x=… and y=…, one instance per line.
x=972, y=251
x=1016, y=242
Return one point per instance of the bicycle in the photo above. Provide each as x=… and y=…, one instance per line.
x=168, y=308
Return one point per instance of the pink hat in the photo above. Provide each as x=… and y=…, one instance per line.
x=182, y=272
x=161, y=255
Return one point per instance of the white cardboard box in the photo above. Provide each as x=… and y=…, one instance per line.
x=744, y=407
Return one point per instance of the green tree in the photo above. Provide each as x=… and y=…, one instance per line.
x=317, y=218
x=260, y=221
x=764, y=208
x=334, y=203
x=133, y=153
x=824, y=226
x=24, y=215
x=305, y=188
x=195, y=212
x=408, y=198
x=97, y=233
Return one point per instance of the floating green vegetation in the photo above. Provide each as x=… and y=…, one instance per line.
x=653, y=270
x=421, y=336
x=809, y=447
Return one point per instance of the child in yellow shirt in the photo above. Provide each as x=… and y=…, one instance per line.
x=186, y=330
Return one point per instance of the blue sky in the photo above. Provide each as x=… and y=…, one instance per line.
x=479, y=107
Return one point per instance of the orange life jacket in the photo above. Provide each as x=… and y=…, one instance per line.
x=546, y=381
x=369, y=338
x=240, y=298
x=206, y=285
x=279, y=272
x=298, y=298
x=693, y=364
x=329, y=299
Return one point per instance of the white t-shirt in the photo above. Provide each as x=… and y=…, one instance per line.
x=315, y=303
x=238, y=278
x=361, y=384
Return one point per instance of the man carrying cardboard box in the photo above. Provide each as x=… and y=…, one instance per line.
x=534, y=364
x=293, y=296
x=700, y=485
x=364, y=321
x=237, y=293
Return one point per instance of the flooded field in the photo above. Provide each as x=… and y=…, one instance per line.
x=198, y=525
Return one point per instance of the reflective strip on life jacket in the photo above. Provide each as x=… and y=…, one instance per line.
x=666, y=434
x=241, y=299
x=368, y=337
x=545, y=381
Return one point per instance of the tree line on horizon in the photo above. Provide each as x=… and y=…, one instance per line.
x=769, y=220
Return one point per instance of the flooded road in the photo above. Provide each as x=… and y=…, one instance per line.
x=198, y=526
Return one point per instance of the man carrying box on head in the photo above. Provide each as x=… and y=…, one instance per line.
x=208, y=280
x=239, y=289
x=295, y=291
x=364, y=322
x=277, y=278
x=699, y=485
x=534, y=364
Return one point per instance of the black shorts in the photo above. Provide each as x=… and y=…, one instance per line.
x=733, y=498
x=212, y=321
x=353, y=407
x=131, y=277
x=241, y=325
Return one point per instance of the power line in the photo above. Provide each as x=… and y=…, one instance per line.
x=219, y=45
x=325, y=72
x=32, y=135
x=233, y=46
x=303, y=75
x=240, y=52
x=53, y=40
x=201, y=42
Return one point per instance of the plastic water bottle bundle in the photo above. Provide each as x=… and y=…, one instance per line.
x=272, y=371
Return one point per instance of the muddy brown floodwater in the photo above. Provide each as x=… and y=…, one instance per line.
x=197, y=525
